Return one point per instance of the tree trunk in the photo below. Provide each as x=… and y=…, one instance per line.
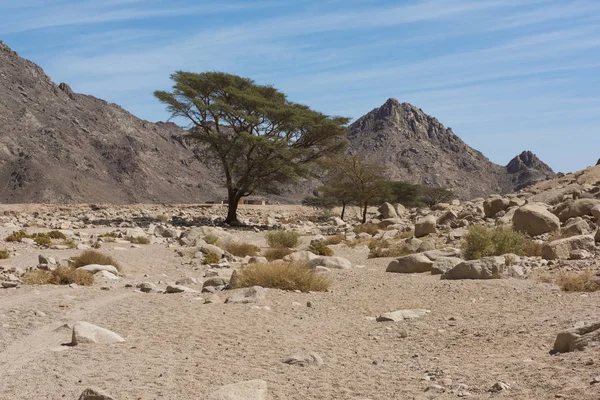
x=232, y=200
x=343, y=210
x=364, y=219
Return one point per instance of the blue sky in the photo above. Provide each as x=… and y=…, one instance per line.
x=506, y=75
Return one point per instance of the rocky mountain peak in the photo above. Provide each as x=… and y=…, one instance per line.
x=526, y=160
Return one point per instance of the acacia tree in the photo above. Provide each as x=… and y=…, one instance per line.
x=261, y=139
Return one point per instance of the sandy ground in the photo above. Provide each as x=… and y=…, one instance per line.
x=478, y=333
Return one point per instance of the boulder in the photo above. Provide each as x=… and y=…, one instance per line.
x=301, y=256
x=257, y=260
x=401, y=315
x=561, y=249
x=84, y=332
x=106, y=275
x=485, y=268
x=249, y=390
x=444, y=264
x=330, y=262
x=596, y=212
x=166, y=232
x=576, y=208
x=597, y=236
x=441, y=253
x=535, y=220
x=412, y=263
x=575, y=227
x=95, y=394
x=425, y=226
x=252, y=294
x=211, y=248
x=135, y=232
x=494, y=205
x=400, y=210
x=448, y=217
x=93, y=268
x=577, y=338
x=387, y=211
x=180, y=289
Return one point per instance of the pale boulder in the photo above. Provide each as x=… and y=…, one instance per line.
x=485, y=268
x=577, y=208
x=387, y=211
x=577, y=338
x=412, y=263
x=494, y=205
x=84, y=332
x=330, y=262
x=425, y=226
x=561, y=249
x=575, y=227
x=444, y=264
x=93, y=268
x=535, y=220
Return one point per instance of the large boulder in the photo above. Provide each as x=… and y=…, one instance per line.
x=330, y=262
x=254, y=294
x=84, y=332
x=561, y=249
x=494, y=205
x=577, y=338
x=576, y=208
x=597, y=237
x=444, y=264
x=596, y=212
x=425, y=226
x=249, y=390
x=93, y=268
x=304, y=256
x=485, y=268
x=535, y=219
x=387, y=211
x=412, y=263
x=400, y=209
x=575, y=227
x=441, y=253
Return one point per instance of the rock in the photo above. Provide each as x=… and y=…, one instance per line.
x=84, y=332
x=561, y=249
x=535, y=219
x=514, y=271
x=135, y=233
x=215, y=281
x=9, y=284
x=485, y=268
x=579, y=254
x=441, y=253
x=93, y=268
x=387, y=211
x=304, y=360
x=499, y=387
x=400, y=210
x=595, y=211
x=180, y=289
x=188, y=280
x=166, y=232
x=444, y=264
x=212, y=249
x=448, y=217
x=302, y=256
x=94, y=394
x=401, y=315
x=257, y=260
x=575, y=227
x=412, y=263
x=577, y=338
x=252, y=294
x=426, y=246
x=425, y=226
x=105, y=275
x=576, y=208
x=597, y=236
x=146, y=287
x=493, y=205
x=330, y=262
x=248, y=390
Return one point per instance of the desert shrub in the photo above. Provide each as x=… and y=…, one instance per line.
x=162, y=218
x=277, y=253
x=320, y=249
x=57, y=235
x=95, y=257
x=242, y=249
x=211, y=239
x=585, y=281
x=371, y=229
x=4, y=254
x=284, y=276
x=384, y=248
x=481, y=241
x=138, y=239
x=109, y=235
x=283, y=238
x=17, y=236
x=42, y=240
x=336, y=239
x=532, y=248
x=211, y=258
x=69, y=243
x=60, y=276
x=96, y=245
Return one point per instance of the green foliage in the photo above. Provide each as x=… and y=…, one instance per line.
x=42, y=240
x=433, y=195
x=57, y=235
x=320, y=249
x=4, y=254
x=211, y=258
x=242, y=249
x=281, y=238
x=321, y=203
x=277, y=253
x=482, y=241
x=17, y=236
x=405, y=193
x=279, y=275
x=94, y=257
x=261, y=139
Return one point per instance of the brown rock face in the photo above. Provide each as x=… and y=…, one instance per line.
x=417, y=148
x=527, y=169
x=59, y=146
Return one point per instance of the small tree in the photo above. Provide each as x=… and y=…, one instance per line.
x=432, y=196
x=261, y=139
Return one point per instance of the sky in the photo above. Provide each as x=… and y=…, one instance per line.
x=506, y=75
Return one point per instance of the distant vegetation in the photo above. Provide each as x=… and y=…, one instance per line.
x=280, y=238
x=284, y=276
x=482, y=241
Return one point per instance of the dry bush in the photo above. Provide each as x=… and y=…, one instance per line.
x=320, y=249
x=242, y=249
x=162, y=218
x=42, y=240
x=288, y=239
x=211, y=258
x=4, y=254
x=57, y=235
x=385, y=248
x=284, y=276
x=60, y=276
x=336, y=239
x=138, y=239
x=95, y=257
x=277, y=253
x=371, y=229
x=482, y=241
x=585, y=281
x=17, y=236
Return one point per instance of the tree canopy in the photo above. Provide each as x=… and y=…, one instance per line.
x=261, y=139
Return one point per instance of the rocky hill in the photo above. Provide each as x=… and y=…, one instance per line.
x=59, y=146
x=418, y=148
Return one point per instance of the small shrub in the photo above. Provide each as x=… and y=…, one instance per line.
x=138, y=239
x=585, y=281
x=320, y=249
x=60, y=276
x=211, y=258
x=69, y=243
x=95, y=257
x=96, y=245
x=284, y=276
x=4, y=254
x=43, y=240
x=242, y=249
x=384, y=248
x=211, y=239
x=57, y=235
x=336, y=239
x=162, y=218
x=17, y=236
x=288, y=239
x=277, y=253
x=482, y=241
x=371, y=229
x=109, y=235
